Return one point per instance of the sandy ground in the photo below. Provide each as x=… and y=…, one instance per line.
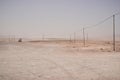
x=53, y=61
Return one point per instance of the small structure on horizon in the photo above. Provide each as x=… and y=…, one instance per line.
x=20, y=40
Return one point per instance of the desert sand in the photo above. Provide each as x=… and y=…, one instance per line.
x=58, y=61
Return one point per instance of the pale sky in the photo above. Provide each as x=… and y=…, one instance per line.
x=57, y=18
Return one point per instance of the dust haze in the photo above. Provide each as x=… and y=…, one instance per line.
x=59, y=40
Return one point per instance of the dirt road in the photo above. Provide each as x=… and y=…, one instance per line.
x=51, y=61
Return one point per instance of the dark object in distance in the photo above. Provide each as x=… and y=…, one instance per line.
x=20, y=40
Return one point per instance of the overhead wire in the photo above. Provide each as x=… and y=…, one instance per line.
x=99, y=23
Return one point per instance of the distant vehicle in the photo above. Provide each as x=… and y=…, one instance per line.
x=20, y=40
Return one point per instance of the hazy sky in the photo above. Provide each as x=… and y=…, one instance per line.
x=57, y=18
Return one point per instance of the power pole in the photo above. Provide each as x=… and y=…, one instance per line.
x=87, y=36
x=119, y=37
x=70, y=38
x=9, y=38
x=83, y=37
x=43, y=37
x=74, y=37
x=113, y=32
x=14, y=38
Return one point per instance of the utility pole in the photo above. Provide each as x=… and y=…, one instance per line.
x=70, y=38
x=14, y=38
x=119, y=37
x=43, y=37
x=9, y=38
x=83, y=37
x=74, y=37
x=113, y=32
x=87, y=36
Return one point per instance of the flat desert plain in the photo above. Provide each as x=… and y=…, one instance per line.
x=58, y=61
